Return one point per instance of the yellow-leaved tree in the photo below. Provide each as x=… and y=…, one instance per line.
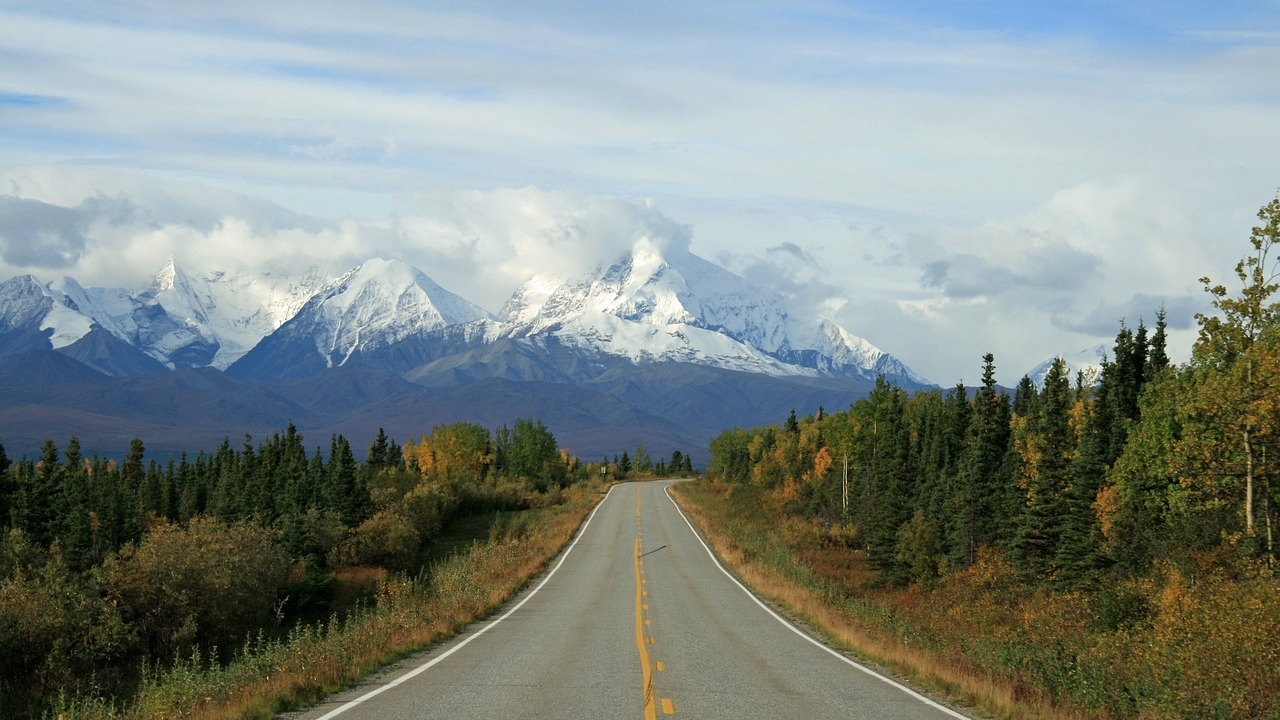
x=1236, y=363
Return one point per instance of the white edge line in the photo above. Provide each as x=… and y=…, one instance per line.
x=436, y=660
x=800, y=632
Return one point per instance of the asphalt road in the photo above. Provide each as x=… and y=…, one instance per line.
x=637, y=620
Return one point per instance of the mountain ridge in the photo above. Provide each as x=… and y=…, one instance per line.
x=658, y=344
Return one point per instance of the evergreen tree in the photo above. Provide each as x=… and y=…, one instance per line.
x=38, y=490
x=72, y=509
x=395, y=455
x=151, y=490
x=8, y=491
x=887, y=485
x=1079, y=556
x=1025, y=397
x=346, y=493
x=792, y=425
x=378, y=452
x=1157, y=357
x=986, y=495
x=1040, y=528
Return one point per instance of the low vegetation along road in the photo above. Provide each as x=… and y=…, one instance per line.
x=636, y=620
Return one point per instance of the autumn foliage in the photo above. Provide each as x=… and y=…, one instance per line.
x=1088, y=547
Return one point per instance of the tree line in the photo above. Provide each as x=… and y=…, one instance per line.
x=1076, y=481
x=109, y=565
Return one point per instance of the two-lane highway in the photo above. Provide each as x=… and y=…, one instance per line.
x=635, y=620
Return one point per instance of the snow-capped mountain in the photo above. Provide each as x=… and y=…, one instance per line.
x=376, y=305
x=209, y=320
x=33, y=316
x=1088, y=360
x=656, y=305
x=177, y=320
x=653, y=305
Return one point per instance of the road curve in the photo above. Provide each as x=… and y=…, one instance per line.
x=635, y=620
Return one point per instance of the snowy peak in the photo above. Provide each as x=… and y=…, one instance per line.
x=377, y=304
x=1087, y=361
x=168, y=276
x=42, y=316
x=653, y=305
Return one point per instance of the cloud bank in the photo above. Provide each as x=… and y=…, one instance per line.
x=943, y=179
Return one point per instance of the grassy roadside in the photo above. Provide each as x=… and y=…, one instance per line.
x=408, y=614
x=747, y=540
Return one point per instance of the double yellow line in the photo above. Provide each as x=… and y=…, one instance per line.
x=642, y=643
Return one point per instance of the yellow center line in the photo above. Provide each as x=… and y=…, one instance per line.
x=650, y=710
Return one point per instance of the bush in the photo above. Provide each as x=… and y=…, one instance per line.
x=54, y=628
x=208, y=584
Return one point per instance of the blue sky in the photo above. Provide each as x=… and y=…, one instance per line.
x=944, y=179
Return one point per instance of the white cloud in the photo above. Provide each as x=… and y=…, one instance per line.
x=954, y=181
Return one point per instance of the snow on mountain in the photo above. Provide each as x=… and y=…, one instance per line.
x=193, y=322
x=653, y=305
x=374, y=305
x=673, y=305
x=1088, y=360
x=238, y=309
x=29, y=308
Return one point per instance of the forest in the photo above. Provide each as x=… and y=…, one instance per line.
x=126, y=581
x=1102, y=544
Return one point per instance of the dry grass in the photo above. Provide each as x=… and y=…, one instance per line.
x=949, y=673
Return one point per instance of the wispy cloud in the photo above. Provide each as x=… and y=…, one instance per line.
x=974, y=176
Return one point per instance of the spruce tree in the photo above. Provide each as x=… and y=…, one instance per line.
x=888, y=478
x=1079, y=556
x=1157, y=356
x=792, y=425
x=39, y=488
x=377, y=456
x=1040, y=527
x=983, y=489
x=72, y=517
x=1025, y=397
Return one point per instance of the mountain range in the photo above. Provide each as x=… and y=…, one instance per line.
x=661, y=347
